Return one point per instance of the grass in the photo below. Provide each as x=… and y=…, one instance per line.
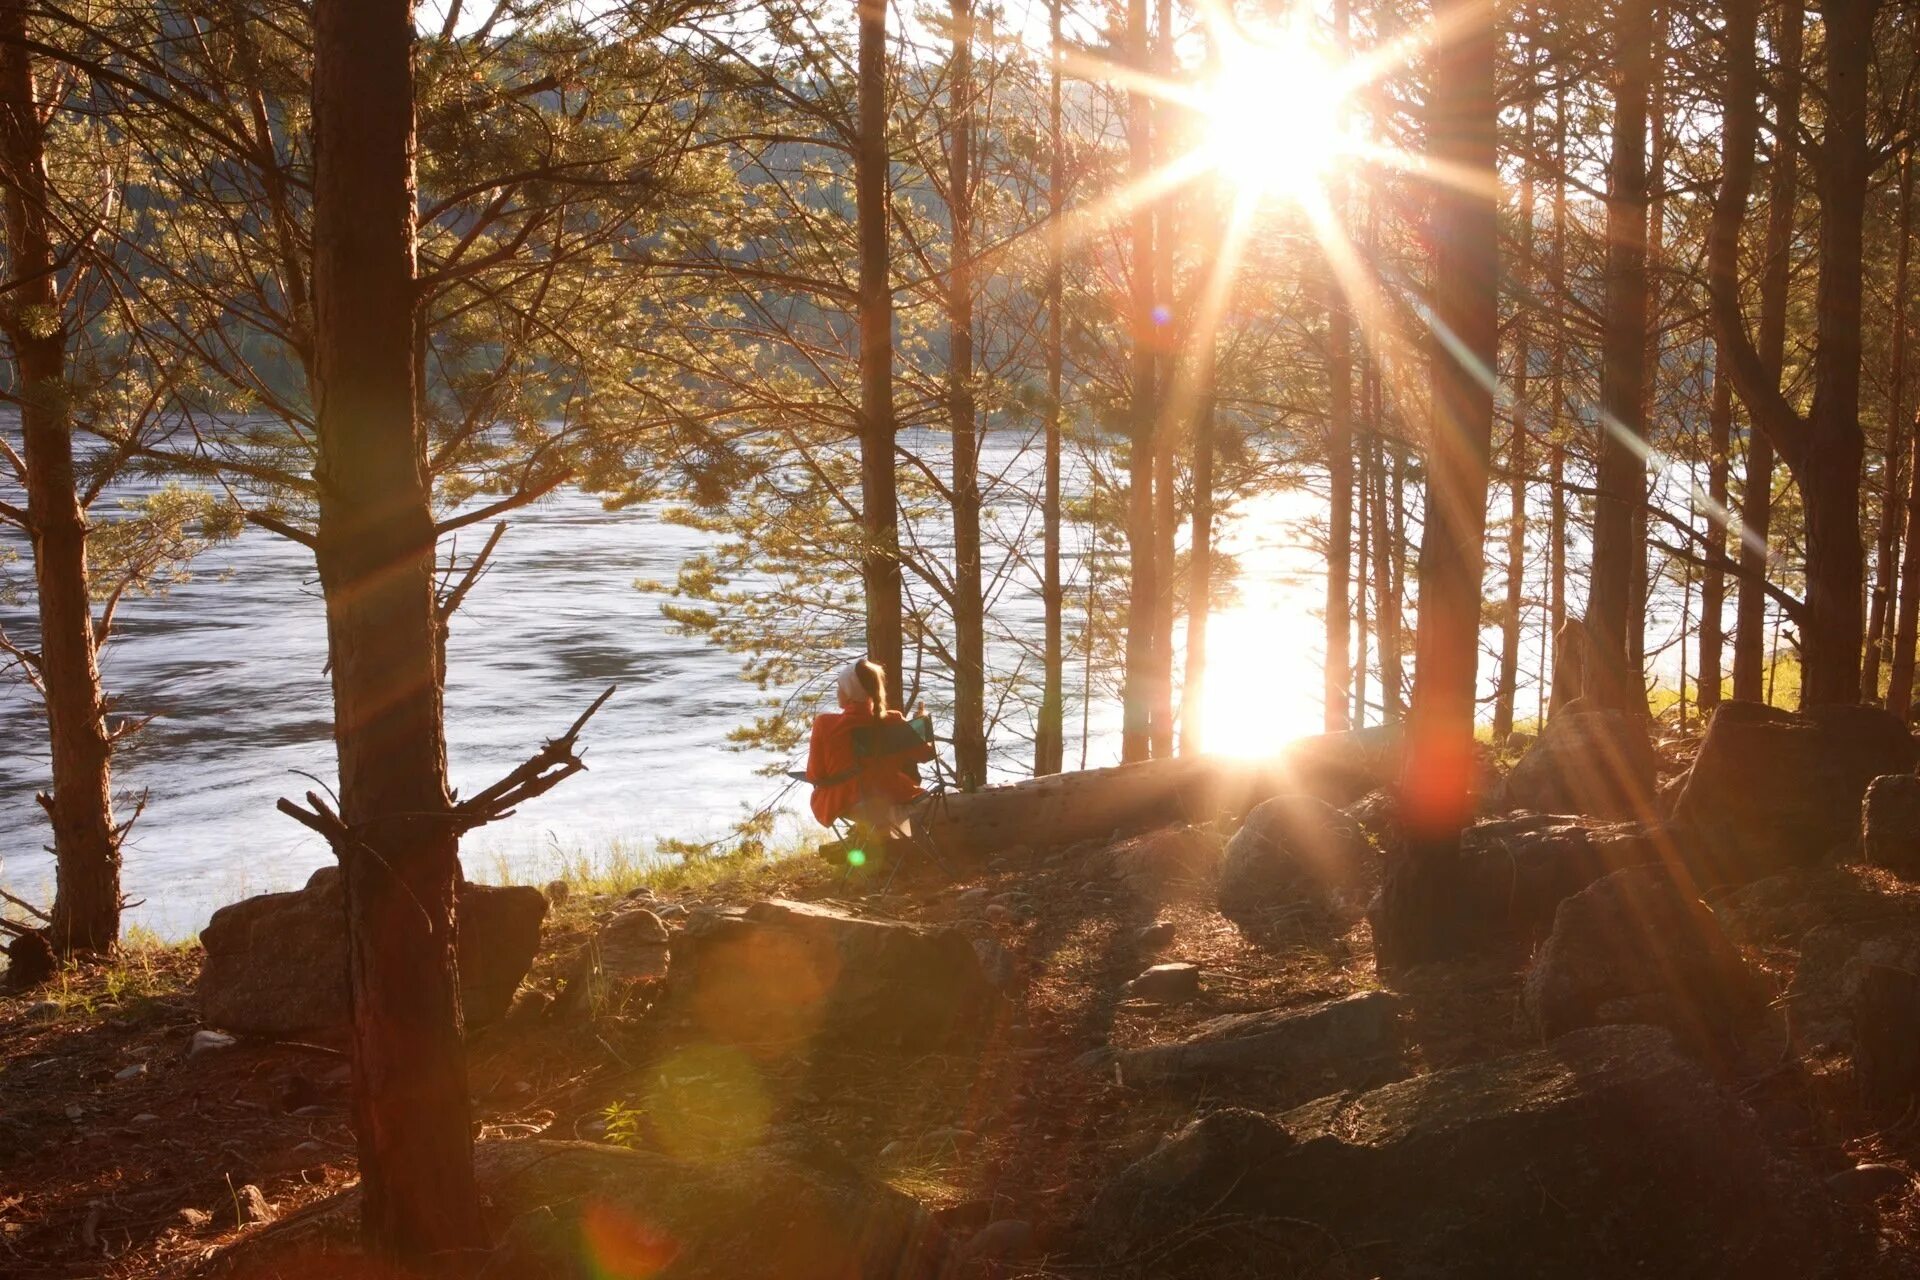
x=621, y=866
x=144, y=967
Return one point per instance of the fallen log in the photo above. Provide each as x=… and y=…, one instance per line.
x=1097, y=804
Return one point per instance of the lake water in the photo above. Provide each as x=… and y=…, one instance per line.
x=230, y=665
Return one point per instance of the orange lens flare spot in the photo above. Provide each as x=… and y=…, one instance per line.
x=621, y=1248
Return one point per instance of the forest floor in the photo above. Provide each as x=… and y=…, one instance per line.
x=125, y=1153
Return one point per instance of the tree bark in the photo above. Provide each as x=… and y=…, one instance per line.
x=1612, y=678
x=1199, y=574
x=1900, y=674
x=879, y=505
x=1713, y=581
x=969, y=608
x=1143, y=590
x=399, y=852
x=1563, y=688
x=1049, y=739
x=1172, y=410
x=86, y=905
x=1756, y=500
x=1417, y=918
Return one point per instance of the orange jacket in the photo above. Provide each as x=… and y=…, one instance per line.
x=840, y=782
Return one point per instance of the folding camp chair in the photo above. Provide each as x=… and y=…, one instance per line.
x=870, y=742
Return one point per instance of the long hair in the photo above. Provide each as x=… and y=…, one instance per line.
x=873, y=681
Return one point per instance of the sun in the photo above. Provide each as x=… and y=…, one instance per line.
x=1274, y=114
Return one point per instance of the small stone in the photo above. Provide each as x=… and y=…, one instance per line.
x=1157, y=936
x=74, y=1112
x=133, y=1072
x=955, y=1138
x=254, y=1206
x=311, y=1150
x=670, y=911
x=195, y=1218
x=43, y=1009
x=146, y=1117
x=894, y=1150
x=205, y=1041
x=312, y=1112
x=1167, y=983
x=558, y=892
x=973, y=899
x=1865, y=1183
x=639, y=893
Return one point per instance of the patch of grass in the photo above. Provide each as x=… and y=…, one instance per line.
x=145, y=967
x=621, y=866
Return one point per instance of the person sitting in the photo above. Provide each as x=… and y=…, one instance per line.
x=871, y=787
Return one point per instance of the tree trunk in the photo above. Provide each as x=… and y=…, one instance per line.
x=1199, y=574
x=1713, y=580
x=1362, y=560
x=375, y=550
x=1506, y=687
x=1172, y=410
x=86, y=905
x=1338, y=672
x=969, y=608
x=1142, y=592
x=879, y=507
x=1417, y=918
x=1612, y=678
x=1393, y=677
x=1049, y=739
x=1756, y=502
x=1900, y=676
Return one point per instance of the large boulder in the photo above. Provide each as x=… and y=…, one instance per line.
x=1512, y=875
x=1606, y=1153
x=1303, y=1052
x=1890, y=824
x=1636, y=946
x=276, y=964
x=582, y=1211
x=1599, y=763
x=1772, y=790
x=1292, y=849
x=1835, y=960
x=777, y=976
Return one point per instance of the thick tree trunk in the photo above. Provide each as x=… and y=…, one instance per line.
x=1756, y=501
x=1393, y=676
x=1830, y=475
x=879, y=505
x=1900, y=674
x=1612, y=676
x=86, y=905
x=1362, y=561
x=1142, y=588
x=969, y=608
x=1562, y=688
x=1713, y=581
x=375, y=549
x=1417, y=917
x=1049, y=739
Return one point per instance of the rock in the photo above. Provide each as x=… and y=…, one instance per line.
x=631, y=947
x=195, y=1218
x=1834, y=960
x=1886, y=1039
x=75, y=1112
x=558, y=891
x=146, y=1117
x=1157, y=936
x=1785, y=907
x=1598, y=763
x=1890, y=824
x=1356, y=1040
x=30, y=962
x=1098, y=1060
x=1292, y=849
x=582, y=1211
x=1165, y=863
x=1517, y=741
x=1375, y=814
x=999, y=914
x=974, y=900
x=783, y=974
x=1006, y=1241
x=528, y=1010
x=1513, y=873
x=1606, y=1153
x=253, y=1205
x=133, y=1072
x=1638, y=937
x=1771, y=790
x=671, y=911
x=276, y=964
x=1865, y=1183
x=996, y=964
x=42, y=1009
x=207, y=1041
x=1166, y=983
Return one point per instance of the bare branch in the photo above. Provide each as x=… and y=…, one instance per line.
x=552, y=764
